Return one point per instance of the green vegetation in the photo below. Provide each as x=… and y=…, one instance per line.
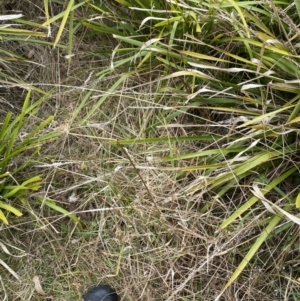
x=174, y=153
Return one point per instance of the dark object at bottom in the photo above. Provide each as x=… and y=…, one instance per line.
x=101, y=293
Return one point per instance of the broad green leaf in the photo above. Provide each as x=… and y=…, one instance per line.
x=33, y=183
x=3, y=218
x=11, y=209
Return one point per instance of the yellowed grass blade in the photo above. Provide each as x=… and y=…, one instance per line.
x=64, y=21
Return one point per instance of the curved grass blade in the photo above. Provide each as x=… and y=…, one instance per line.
x=3, y=218
x=33, y=183
x=51, y=204
x=269, y=187
x=12, y=209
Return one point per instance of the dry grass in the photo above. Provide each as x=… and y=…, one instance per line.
x=141, y=233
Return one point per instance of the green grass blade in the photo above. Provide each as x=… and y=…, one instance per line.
x=33, y=183
x=62, y=14
x=269, y=187
x=11, y=209
x=51, y=204
x=167, y=139
x=110, y=92
x=261, y=239
x=64, y=21
x=205, y=153
x=3, y=218
x=4, y=128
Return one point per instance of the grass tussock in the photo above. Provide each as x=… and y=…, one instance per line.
x=173, y=167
